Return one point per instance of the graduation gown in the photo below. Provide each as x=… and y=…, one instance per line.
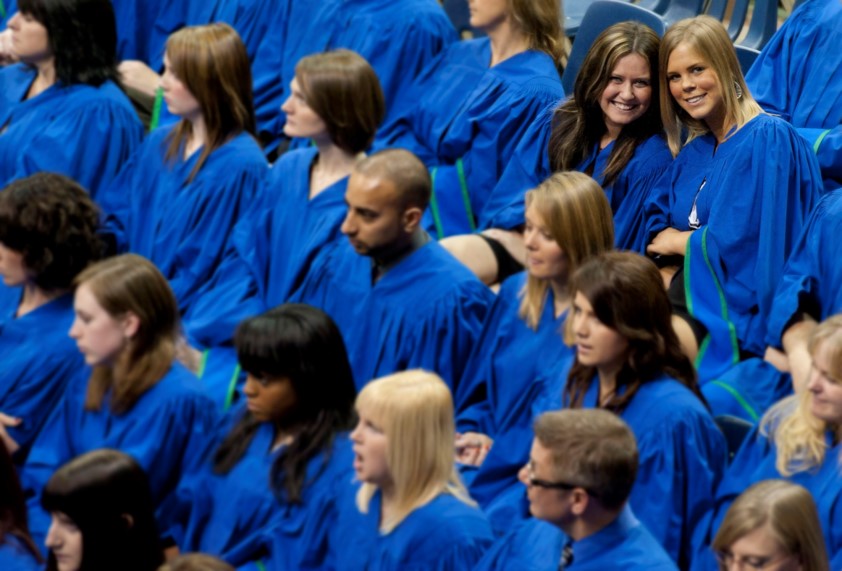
x=507, y=358
x=682, y=458
x=9, y=7
x=237, y=517
x=465, y=120
x=163, y=432
x=81, y=131
x=755, y=461
x=444, y=535
x=798, y=75
x=425, y=312
x=535, y=545
x=182, y=227
x=270, y=250
x=15, y=557
x=39, y=359
x=626, y=195
x=753, y=195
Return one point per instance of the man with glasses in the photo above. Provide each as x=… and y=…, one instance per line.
x=581, y=469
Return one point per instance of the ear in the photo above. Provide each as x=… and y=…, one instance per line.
x=130, y=323
x=412, y=218
x=579, y=501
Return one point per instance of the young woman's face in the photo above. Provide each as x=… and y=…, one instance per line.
x=694, y=85
x=597, y=345
x=64, y=540
x=30, y=39
x=12, y=267
x=100, y=337
x=302, y=121
x=544, y=257
x=826, y=389
x=270, y=399
x=180, y=101
x=370, y=446
x=758, y=549
x=628, y=94
x=487, y=14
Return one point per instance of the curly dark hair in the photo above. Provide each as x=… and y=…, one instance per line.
x=82, y=36
x=52, y=222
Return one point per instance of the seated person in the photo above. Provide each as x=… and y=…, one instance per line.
x=17, y=550
x=580, y=473
x=400, y=300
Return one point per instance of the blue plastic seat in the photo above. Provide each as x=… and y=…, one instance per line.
x=735, y=431
x=746, y=56
x=600, y=15
x=764, y=23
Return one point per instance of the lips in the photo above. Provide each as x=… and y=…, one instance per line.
x=694, y=100
x=623, y=106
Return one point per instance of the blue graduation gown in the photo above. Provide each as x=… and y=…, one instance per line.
x=682, y=458
x=15, y=557
x=426, y=312
x=465, y=120
x=270, y=250
x=827, y=143
x=755, y=461
x=162, y=431
x=81, y=131
x=38, y=361
x=507, y=358
x=798, y=75
x=535, y=545
x=10, y=6
x=626, y=195
x=231, y=515
x=444, y=535
x=184, y=228
x=397, y=37
x=759, y=188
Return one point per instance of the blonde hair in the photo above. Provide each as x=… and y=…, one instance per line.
x=799, y=436
x=576, y=212
x=132, y=284
x=415, y=411
x=708, y=37
x=788, y=513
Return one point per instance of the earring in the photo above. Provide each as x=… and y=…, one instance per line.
x=738, y=89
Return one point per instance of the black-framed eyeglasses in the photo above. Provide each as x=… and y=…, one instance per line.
x=539, y=483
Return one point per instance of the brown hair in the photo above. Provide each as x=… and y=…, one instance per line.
x=344, y=91
x=579, y=123
x=593, y=449
x=541, y=22
x=132, y=284
x=627, y=294
x=213, y=64
x=574, y=209
x=196, y=562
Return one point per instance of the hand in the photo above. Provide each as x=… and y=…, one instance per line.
x=669, y=242
x=800, y=365
x=188, y=356
x=777, y=359
x=472, y=448
x=7, y=54
x=137, y=75
x=10, y=443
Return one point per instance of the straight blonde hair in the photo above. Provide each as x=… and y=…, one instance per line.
x=415, y=411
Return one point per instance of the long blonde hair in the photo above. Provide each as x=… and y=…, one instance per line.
x=576, y=212
x=415, y=410
x=799, y=436
x=708, y=37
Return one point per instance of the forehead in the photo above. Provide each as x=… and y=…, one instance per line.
x=632, y=64
x=684, y=55
x=540, y=455
x=85, y=298
x=373, y=193
x=758, y=542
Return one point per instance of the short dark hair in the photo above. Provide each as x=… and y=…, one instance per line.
x=52, y=222
x=591, y=448
x=344, y=91
x=303, y=344
x=404, y=170
x=97, y=491
x=82, y=35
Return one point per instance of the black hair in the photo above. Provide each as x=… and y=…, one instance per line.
x=300, y=343
x=82, y=35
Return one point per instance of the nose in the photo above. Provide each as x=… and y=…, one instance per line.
x=13, y=21
x=814, y=383
x=250, y=388
x=523, y=475
x=580, y=327
x=687, y=83
x=348, y=226
x=355, y=434
x=626, y=91
x=74, y=330
x=286, y=106
x=53, y=539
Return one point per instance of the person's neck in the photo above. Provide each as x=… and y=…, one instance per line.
x=388, y=505
x=594, y=520
x=607, y=383
x=35, y=297
x=44, y=79
x=610, y=135
x=198, y=135
x=721, y=128
x=561, y=296
x=332, y=165
x=506, y=42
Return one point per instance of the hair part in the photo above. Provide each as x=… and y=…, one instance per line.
x=404, y=171
x=579, y=122
x=132, y=284
x=787, y=512
x=213, y=64
x=415, y=410
x=344, y=91
x=709, y=39
x=575, y=210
